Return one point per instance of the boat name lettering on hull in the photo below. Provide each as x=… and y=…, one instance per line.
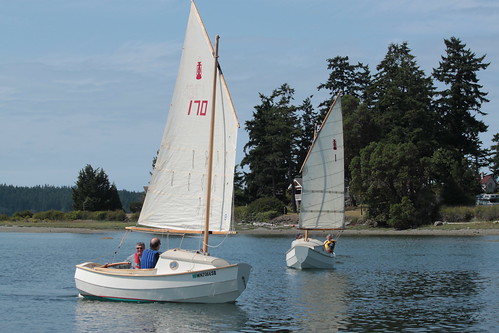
x=204, y=274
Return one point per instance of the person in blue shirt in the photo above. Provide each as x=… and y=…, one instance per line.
x=150, y=256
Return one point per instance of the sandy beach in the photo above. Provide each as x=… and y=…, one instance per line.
x=290, y=231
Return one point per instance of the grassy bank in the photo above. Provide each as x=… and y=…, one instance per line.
x=78, y=224
x=283, y=223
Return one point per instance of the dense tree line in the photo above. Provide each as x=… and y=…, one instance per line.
x=411, y=139
x=35, y=199
x=43, y=198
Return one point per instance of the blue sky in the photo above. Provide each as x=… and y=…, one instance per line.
x=90, y=81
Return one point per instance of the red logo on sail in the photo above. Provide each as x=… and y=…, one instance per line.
x=199, y=71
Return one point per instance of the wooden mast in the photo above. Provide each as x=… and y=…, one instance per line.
x=210, y=151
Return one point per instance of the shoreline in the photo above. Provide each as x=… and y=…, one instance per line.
x=291, y=231
x=375, y=232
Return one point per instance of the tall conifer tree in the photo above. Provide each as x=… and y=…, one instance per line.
x=271, y=149
x=457, y=105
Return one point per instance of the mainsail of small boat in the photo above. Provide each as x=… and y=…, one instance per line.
x=323, y=193
x=190, y=190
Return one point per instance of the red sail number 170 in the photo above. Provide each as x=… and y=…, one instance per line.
x=200, y=106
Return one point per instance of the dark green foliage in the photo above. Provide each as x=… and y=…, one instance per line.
x=265, y=205
x=116, y=215
x=400, y=98
x=4, y=217
x=349, y=79
x=359, y=129
x=74, y=215
x=44, y=198
x=24, y=214
x=93, y=191
x=459, y=129
x=461, y=97
x=426, y=153
x=402, y=215
x=452, y=184
x=132, y=201
x=271, y=151
x=54, y=215
x=266, y=216
x=240, y=195
x=136, y=207
x=384, y=174
x=240, y=213
x=309, y=121
x=35, y=199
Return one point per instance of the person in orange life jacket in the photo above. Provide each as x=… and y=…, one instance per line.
x=329, y=244
x=150, y=256
x=134, y=259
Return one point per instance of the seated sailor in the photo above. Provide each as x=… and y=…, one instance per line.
x=150, y=256
x=329, y=244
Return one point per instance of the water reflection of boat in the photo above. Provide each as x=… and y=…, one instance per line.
x=100, y=316
x=322, y=298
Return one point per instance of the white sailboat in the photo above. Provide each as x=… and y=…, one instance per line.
x=190, y=191
x=323, y=193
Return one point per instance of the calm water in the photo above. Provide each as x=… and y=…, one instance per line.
x=380, y=284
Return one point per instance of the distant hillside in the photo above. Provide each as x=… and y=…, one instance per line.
x=46, y=197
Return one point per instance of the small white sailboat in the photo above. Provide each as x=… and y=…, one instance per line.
x=323, y=193
x=190, y=191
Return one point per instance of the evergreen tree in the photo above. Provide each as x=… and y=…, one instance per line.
x=461, y=98
x=391, y=174
x=349, y=79
x=400, y=97
x=457, y=105
x=240, y=197
x=93, y=192
x=271, y=150
x=390, y=177
x=309, y=121
x=359, y=129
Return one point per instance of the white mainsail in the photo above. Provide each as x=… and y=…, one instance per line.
x=323, y=188
x=176, y=196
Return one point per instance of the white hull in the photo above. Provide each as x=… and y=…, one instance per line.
x=308, y=255
x=179, y=276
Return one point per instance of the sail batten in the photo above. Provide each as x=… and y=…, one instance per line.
x=176, y=195
x=323, y=188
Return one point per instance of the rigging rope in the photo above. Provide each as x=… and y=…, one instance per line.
x=125, y=235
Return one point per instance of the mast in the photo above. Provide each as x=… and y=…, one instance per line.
x=210, y=151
